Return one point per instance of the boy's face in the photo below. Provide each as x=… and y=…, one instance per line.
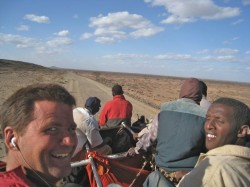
x=219, y=127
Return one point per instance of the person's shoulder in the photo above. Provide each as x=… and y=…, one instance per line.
x=108, y=103
x=231, y=150
x=170, y=103
x=229, y=156
x=14, y=177
x=80, y=111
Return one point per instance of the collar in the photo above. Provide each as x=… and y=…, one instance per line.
x=228, y=150
x=119, y=97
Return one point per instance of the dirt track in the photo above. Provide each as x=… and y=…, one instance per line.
x=82, y=88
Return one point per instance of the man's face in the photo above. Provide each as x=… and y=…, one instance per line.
x=49, y=140
x=219, y=126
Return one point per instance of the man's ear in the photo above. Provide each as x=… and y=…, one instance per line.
x=244, y=131
x=9, y=133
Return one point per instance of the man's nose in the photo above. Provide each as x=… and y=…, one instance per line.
x=69, y=139
x=209, y=124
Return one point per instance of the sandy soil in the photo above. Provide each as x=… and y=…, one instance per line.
x=145, y=92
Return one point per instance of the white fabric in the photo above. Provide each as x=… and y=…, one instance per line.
x=205, y=103
x=149, y=134
x=82, y=139
x=87, y=123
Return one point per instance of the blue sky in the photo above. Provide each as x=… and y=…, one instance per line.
x=207, y=39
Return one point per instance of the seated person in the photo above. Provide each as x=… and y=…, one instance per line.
x=227, y=162
x=87, y=124
x=145, y=137
x=117, y=110
x=179, y=131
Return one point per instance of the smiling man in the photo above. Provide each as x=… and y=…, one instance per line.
x=39, y=132
x=227, y=163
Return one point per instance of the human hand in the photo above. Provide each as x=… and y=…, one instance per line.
x=180, y=174
x=135, y=136
x=131, y=151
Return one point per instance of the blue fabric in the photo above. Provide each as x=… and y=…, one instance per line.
x=181, y=136
x=156, y=179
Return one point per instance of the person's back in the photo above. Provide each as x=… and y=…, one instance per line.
x=117, y=110
x=87, y=124
x=181, y=136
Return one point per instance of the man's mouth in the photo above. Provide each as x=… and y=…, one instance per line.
x=211, y=136
x=64, y=155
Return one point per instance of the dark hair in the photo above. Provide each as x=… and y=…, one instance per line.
x=117, y=89
x=17, y=110
x=203, y=88
x=93, y=104
x=241, y=112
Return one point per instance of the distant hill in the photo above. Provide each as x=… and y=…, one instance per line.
x=19, y=65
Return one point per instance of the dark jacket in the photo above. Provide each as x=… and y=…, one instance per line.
x=181, y=136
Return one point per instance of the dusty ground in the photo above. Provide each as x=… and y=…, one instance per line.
x=155, y=90
x=146, y=92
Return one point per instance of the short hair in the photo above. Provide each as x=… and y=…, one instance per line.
x=203, y=88
x=117, y=89
x=17, y=111
x=241, y=112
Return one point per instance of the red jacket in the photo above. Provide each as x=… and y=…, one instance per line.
x=116, y=111
x=15, y=177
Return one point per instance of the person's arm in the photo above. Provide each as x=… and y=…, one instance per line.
x=145, y=141
x=93, y=132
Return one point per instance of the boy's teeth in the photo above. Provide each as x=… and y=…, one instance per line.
x=211, y=136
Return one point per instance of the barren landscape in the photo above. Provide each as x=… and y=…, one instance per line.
x=146, y=92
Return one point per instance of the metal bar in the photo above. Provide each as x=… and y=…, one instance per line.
x=86, y=161
x=129, y=129
x=97, y=178
x=80, y=163
x=94, y=170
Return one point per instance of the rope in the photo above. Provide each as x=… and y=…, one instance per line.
x=138, y=174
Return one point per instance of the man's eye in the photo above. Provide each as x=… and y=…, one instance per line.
x=51, y=130
x=220, y=121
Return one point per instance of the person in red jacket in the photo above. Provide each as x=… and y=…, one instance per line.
x=117, y=110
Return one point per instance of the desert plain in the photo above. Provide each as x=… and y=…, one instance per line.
x=145, y=92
